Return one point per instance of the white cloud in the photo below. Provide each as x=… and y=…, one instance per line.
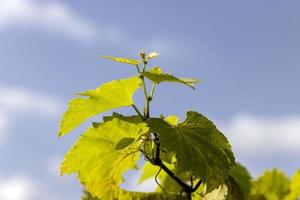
x=53, y=16
x=18, y=187
x=15, y=101
x=255, y=135
x=3, y=125
x=23, y=187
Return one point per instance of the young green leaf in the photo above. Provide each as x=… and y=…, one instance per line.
x=294, y=187
x=108, y=96
x=148, y=171
x=156, y=75
x=273, y=185
x=152, y=55
x=230, y=190
x=132, y=119
x=295, y=183
x=122, y=60
x=197, y=138
x=129, y=195
x=99, y=164
x=172, y=119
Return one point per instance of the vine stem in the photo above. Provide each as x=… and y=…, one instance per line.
x=147, y=108
x=152, y=91
x=138, y=69
x=147, y=99
x=146, y=111
x=138, y=112
x=157, y=161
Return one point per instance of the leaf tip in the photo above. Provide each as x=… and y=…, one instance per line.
x=60, y=132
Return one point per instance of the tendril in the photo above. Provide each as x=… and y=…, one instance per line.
x=156, y=176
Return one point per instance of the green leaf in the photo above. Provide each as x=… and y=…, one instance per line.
x=167, y=156
x=132, y=119
x=242, y=177
x=152, y=55
x=217, y=194
x=295, y=183
x=129, y=195
x=234, y=190
x=124, y=142
x=230, y=190
x=172, y=119
x=122, y=60
x=110, y=95
x=87, y=196
x=273, y=185
x=96, y=160
x=156, y=75
x=259, y=197
x=197, y=138
x=294, y=187
x=148, y=171
x=200, y=192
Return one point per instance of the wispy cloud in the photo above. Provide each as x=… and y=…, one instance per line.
x=52, y=16
x=254, y=135
x=53, y=165
x=18, y=101
x=3, y=125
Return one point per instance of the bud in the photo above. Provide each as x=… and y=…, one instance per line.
x=142, y=54
x=162, y=117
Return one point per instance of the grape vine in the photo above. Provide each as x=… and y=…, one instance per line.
x=191, y=159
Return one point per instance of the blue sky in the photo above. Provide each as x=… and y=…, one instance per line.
x=247, y=54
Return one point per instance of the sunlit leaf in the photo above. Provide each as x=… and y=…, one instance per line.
x=217, y=194
x=152, y=55
x=132, y=119
x=99, y=164
x=122, y=60
x=110, y=95
x=172, y=119
x=148, y=171
x=129, y=195
x=295, y=183
x=197, y=138
x=156, y=75
x=258, y=197
x=273, y=185
x=294, y=187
